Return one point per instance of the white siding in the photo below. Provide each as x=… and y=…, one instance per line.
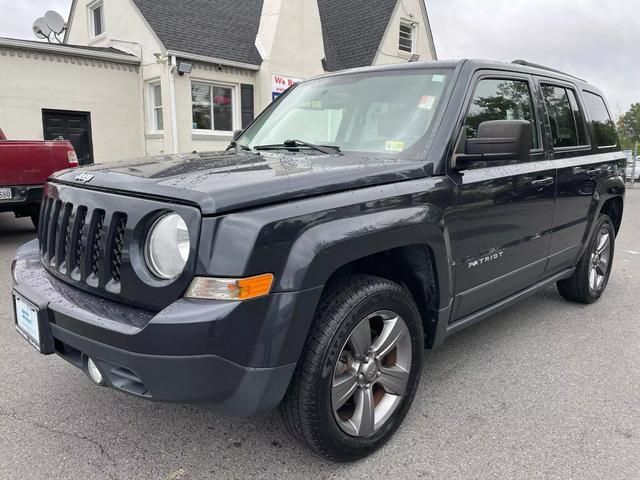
x=406, y=10
x=32, y=81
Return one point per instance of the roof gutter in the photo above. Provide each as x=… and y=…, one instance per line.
x=219, y=61
x=69, y=50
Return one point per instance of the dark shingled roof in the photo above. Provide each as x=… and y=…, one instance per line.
x=353, y=30
x=227, y=29
x=224, y=29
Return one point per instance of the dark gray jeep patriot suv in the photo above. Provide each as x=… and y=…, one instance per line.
x=362, y=217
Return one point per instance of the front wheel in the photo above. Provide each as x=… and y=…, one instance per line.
x=359, y=371
x=591, y=276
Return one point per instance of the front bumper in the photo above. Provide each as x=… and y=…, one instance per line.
x=235, y=357
x=25, y=199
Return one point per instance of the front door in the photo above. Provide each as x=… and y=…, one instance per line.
x=72, y=126
x=500, y=228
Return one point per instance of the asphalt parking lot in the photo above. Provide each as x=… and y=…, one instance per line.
x=546, y=389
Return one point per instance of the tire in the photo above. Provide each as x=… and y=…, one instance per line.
x=35, y=218
x=580, y=287
x=331, y=354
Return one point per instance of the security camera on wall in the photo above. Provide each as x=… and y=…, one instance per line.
x=49, y=27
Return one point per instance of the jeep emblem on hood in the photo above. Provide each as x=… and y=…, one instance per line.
x=84, y=177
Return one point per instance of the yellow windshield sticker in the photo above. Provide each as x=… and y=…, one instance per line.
x=394, y=146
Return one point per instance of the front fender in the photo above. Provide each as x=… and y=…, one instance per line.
x=304, y=242
x=322, y=249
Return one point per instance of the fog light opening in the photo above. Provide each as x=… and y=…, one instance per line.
x=94, y=373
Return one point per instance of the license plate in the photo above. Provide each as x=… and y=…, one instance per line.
x=27, y=321
x=5, y=194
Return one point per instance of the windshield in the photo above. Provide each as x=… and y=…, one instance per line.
x=379, y=112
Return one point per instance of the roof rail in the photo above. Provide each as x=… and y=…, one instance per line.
x=542, y=67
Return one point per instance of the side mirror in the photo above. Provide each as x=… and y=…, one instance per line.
x=498, y=140
x=236, y=134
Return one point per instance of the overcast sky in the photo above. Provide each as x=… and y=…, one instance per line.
x=592, y=39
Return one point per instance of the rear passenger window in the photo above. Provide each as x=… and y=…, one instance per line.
x=501, y=99
x=565, y=118
x=605, y=129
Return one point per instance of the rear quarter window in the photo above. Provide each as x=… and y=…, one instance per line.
x=603, y=126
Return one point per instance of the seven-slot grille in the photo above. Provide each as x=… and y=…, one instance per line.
x=85, y=245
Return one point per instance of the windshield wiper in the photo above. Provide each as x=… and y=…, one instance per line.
x=236, y=145
x=288, y=144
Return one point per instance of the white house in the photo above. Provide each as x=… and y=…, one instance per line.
x=140, y=77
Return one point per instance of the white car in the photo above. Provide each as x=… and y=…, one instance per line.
x=630, y=173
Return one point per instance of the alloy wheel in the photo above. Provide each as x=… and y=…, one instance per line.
x=600, y=259
x=371, y=374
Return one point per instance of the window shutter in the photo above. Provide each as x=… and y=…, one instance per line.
x=246, y=104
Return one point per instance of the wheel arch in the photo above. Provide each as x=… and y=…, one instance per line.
x=613, y=207
x=413, y=267
x=405, y=245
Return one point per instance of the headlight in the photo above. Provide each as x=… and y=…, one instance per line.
x=167, y=247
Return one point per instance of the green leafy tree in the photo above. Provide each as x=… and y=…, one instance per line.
x=629, y=127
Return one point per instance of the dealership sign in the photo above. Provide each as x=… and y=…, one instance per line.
x=279, y=83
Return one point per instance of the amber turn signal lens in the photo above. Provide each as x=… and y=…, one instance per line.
x=230, y=288
x=254, y=286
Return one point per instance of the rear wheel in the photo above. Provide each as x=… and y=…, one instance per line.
x=359, y=371
x=592, y=273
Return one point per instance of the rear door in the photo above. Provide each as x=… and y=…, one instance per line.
x=72, y=126
x=580, y=166
x=500, y=228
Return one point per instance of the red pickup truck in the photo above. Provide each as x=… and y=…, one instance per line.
x=24, y=167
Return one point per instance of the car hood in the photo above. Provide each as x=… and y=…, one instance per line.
x=224, y=181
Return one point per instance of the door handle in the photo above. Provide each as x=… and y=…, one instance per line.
x=542, y=182
x=593, y=171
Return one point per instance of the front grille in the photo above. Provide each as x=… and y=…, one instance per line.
x=94, y=241
x=82, y=243
x=96, y=238
x=118, y=244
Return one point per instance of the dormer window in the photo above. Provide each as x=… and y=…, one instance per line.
x=96, y=18
x=407, y=38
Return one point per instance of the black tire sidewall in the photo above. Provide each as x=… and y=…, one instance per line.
x=35, y=217
x=345, y=446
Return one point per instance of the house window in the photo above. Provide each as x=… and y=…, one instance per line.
x=155, y=103
x=96, y=18
x=213, y=107
x=407, y=37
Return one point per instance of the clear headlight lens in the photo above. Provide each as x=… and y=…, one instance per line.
x=230, y=288
x=167, y=247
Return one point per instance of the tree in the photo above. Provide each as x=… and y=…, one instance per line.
x=629, y=127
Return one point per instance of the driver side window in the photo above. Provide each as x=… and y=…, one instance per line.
x=501, y=99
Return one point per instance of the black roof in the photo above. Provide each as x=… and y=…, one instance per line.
x=353, y=30
x=224, y=29
x=476, y=64
x=227, y=29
